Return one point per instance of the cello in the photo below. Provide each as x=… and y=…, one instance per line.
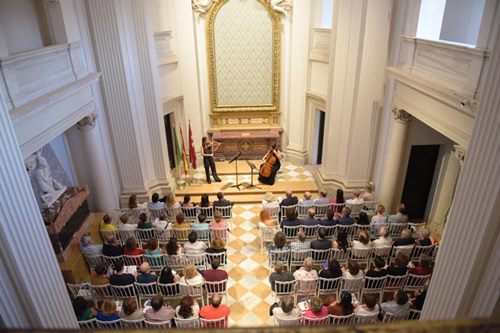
x=266, y=168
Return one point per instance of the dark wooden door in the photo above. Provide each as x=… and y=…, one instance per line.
x=170, y=141
x=321, y=135
x=418, y=179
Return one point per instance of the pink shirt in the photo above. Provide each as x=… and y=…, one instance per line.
x=310, y=314
x=218, y=224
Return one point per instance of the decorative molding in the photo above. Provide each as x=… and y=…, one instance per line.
x=401, y=115
x=88, y=122
x=201, y=7
x=320, y=45
x=459, y=153
x=282, y=7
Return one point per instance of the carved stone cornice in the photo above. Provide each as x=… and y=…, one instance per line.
x=282, y=7
x=401, y=115
x=88, y=122
x=459, y=153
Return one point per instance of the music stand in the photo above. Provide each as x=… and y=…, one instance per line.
x=235, y=158
x=252, y=168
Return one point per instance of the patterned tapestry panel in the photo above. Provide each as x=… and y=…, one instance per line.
x=243, y=54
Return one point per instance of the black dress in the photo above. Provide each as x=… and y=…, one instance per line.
x=274, y=170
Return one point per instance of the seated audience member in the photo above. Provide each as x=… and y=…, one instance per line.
x=155, y=202
x=307, y=200
x=145, y=275
x=310, y=220
x=221, y=201
x=323, y=198
x=339, y=197
x=87, y=246
x=424, y=266
x=157, y=311
x=191, y=276
x=363, y=242
x=170, y=202
x=341, y=243
x=424, y=238
x=356, y=198
x=367, y=194
x=333, y=270
x=291, y=219
x=186, y=202
x=269, y=201
x=143, y=222
x=130, y=311
x=216, y=246
x=400, y=265
x=173, y=248
x=306, y=272
x=265, y=219
x=161, y=222
x=215, y=274
x=98, y=276
x=132, y=203
x=218, y=222
x=132, y=248
x=215, y=310
x=194, y=246
x=399, y=306
x=181, y=223
x=379, y=218
x=301, y=243
x=168, y=276
x=289, y=200
x=286, y=310
x=377, y=268
x=125, y=223
x=279, y=275
x=321, y=243
x=316, y=309
x=112, y=247
x=418, y=302
x=107, y=225
x=108, y=311
x=82, y=310
x=353, y=271
x=120, y=277
x=406, y=239
x=400, y=216
x=369, y=307
x=384, y=240
x=342, y=307
x=345, y=218
x=202, y=223
x=188, y=308
x=329, y=221
x=279, y=242
x=205, y=201
x=363, y=219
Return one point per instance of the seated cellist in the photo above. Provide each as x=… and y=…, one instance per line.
x=271, y=165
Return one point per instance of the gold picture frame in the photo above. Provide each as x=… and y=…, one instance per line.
x=217, y=108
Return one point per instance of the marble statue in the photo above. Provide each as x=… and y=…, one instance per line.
x=202, y=6
x=281, y=6
x=49, y=188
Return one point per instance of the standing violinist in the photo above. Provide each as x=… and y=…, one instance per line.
x=271, y=165
x=208, y=149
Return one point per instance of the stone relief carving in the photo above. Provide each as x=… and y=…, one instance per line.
x=87, y=122
x=401, y=115
x=202, y=6
x=459, y=154
x=282, y=7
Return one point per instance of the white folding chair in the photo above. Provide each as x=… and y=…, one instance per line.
x=163, y=235
x=134, y=213
x=146, y=291
x=156, y=263
x=343, y=320
x=341, y=256
x=313, y=322
x=352, y=286
x=302, y=211
x=306, y=289
x=158, y=324
x=282, y=256
x=329, y=286
x=435, y=253
x=203, y=235
x=337, y=208
x=374, y=285
x=181, y=234
x=266, y=236
x=291, y=232
x=131, y=324
x=93, y=260
x=355, y=209
x=370, y=207
x=311, y=231
x=110, y=261
x=394, y=282
x=212, y=323
x=195, y=291
x=321, y=211
x=108, y=324
x=154, y=213
x=170, y=291
x=419, y=250
x=414, y=314
x=133, y=260
x=284, y=289
x=208, y=212
x=197, y=259
x=389, y=317
x=395, y=229
x=361, y=256
x=416, y=227
x=105, y=235
x=175, y=262
x=321, y=256
x=382, y=252
x=227, y=214
x=274, y=212
x=297, y=258
x=190, y=214
x=101, y=292
x=221, y=256
x=216, y=287
x=187, y=323
x=348, y=229
x=331, y=231
x=415, y=282
x=286, y=322
x=367, y=318
x=88, y=324
x=172, y=213
x=126, y=234
x=407, y=250
x=222, y=233
x=143, y=235
x=123, y=292
x=80, y=290
x=358, y=228
x=285, y=209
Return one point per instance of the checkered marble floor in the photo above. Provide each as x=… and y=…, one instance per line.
x=249, y=294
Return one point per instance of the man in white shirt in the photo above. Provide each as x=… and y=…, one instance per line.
x=161, y=222
x=384, y=240
x=194, y=246
x=356, y=199
x=125, y=223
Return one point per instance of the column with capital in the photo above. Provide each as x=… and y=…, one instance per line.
x=394, y=157
x=89, y=159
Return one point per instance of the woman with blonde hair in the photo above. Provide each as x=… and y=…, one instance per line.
x=191, y=276
x=108, y=311
x=363, y=242
x=316, y=309
x=269, y=201
x=379, y=218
